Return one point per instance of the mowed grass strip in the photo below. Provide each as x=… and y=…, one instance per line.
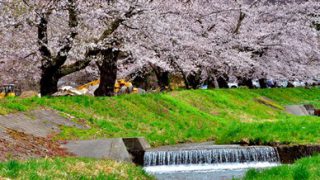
x=71, y=168
x=303, y=169
x=223, y=115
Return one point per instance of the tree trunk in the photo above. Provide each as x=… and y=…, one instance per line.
x=213, y=83
x=262, y=83
x=163, y=80
x=108, y=73
x=222, y=82
x=249, y=83
x=140, y=82
x=185, y=80
x=53, y=67
x=48, y=83
x=174, y=64
x=162, y=77
x=245, y=82
x=194, y=80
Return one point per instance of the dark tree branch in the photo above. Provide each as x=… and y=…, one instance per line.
x=239, y=23
x=43, y=40
x=62, y=55
x=129, y=27
x=77, y=66
x=114, y=26
x=119, y=21
x=73, y=16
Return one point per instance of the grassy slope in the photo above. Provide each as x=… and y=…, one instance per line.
x=70, y=168
x=303, y=169
x=226, y=116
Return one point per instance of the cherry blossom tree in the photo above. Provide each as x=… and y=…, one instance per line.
x=31, y=22
x=203, y=40
x=199, y=39
x=282, y=40
x=65, y=36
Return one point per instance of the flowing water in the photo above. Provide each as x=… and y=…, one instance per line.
x=208, y=161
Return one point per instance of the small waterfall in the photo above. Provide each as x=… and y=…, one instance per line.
x=211, y=155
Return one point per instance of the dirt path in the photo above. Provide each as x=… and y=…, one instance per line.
x=18, y=145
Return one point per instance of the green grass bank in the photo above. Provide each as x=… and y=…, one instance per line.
x=71, y=168
x=303, y=169
x=224, y=115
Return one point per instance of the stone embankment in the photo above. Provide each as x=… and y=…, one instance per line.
x=290, y=153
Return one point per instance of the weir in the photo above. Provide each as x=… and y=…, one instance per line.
x=207, y=161
x=213, y=155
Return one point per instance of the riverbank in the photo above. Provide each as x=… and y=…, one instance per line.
x=306, y=168
x=224, y=116
x=71, y=168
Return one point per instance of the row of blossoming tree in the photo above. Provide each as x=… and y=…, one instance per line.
x=45, y=40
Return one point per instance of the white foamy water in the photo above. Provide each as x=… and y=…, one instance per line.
x=213, y=155
x=208, y=167
x=210, y=162
x=225, y=171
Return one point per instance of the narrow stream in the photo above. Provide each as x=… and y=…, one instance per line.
x=208, y=161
